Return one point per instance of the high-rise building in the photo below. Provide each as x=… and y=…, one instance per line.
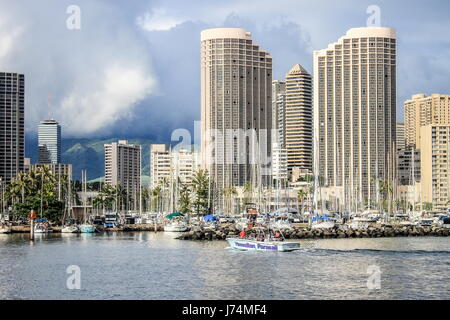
x=355, y=112
x=49, y=139
x=123, y=167
x=435, y=164
x=278, y=112
x=172, y=165
x=236, y=108
x=160, y=164
x=423, y=110
x=12, y=123
x=401, y=140
x=279, y=163
x=299, y=119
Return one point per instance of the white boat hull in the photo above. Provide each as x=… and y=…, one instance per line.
x=323, y=225
x=69, y=230
x=40, y=231
x=5, y=230
x=175, y=228
x=253, y=245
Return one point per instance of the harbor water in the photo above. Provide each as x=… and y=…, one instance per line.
x=150, y=265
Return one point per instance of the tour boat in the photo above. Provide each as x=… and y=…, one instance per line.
x=70, y=229
x=87, y=228
x=263, y=242
x=176, y=226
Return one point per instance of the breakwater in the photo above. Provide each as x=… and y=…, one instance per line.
x=306, y=233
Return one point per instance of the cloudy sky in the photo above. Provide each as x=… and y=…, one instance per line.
x=132, y=70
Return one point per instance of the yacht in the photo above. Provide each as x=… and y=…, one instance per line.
x=87, y=228
x=42, y=227
x=176, y=226
x=70, y=229
x=281, y=224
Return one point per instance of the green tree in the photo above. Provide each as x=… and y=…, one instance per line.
x=201, y=186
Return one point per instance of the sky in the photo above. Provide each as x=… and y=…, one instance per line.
x=131, y=69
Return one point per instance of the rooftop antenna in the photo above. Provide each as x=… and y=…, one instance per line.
x=49, y=99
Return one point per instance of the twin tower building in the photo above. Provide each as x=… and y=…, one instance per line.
x=339, y=125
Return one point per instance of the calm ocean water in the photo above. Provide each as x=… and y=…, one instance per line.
x=156, y=266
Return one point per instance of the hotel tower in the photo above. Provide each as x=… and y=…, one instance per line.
x=236, y=108
x=355, y=114
x=299, y=119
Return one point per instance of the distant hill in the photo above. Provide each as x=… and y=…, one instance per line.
x=88, y=154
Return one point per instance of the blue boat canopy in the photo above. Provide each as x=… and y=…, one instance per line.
x=210, y=218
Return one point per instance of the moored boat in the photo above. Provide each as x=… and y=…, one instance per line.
x=70, y=229
x=176, y=226
x=5, y=229
x=87, y=228
x=42, y=226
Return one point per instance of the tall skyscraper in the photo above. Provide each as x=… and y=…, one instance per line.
x=355, y=112
x=423, y=110
x=12, y=123
x=236, y=107
x=299, y=119
x=123, y=166
x=49, y=136
x=278, y=112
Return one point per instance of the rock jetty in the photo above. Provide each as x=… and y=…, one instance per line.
x=336, y=233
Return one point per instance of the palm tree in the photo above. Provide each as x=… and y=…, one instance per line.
x=156, y=196
x=302, y=194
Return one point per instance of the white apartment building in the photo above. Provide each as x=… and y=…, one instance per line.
x=168, y=164
x=123, y=166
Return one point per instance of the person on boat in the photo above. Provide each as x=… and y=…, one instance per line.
x=242, y=234
x=277, y=235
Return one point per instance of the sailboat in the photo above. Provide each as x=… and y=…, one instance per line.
x=86, y=227
x=70, y=228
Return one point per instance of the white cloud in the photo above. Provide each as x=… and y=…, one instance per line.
x=95, y=75
x=158, y=20
x=118, y=90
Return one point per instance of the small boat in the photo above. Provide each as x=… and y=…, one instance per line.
x=87, y=228
x=5, y=229
x=176, y=226
x=323, y=225
x=263, y=242
x=70, y=229
x=281, y=224
x=43, y=227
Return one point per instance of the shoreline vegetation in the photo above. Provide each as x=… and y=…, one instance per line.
x=297, y=232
